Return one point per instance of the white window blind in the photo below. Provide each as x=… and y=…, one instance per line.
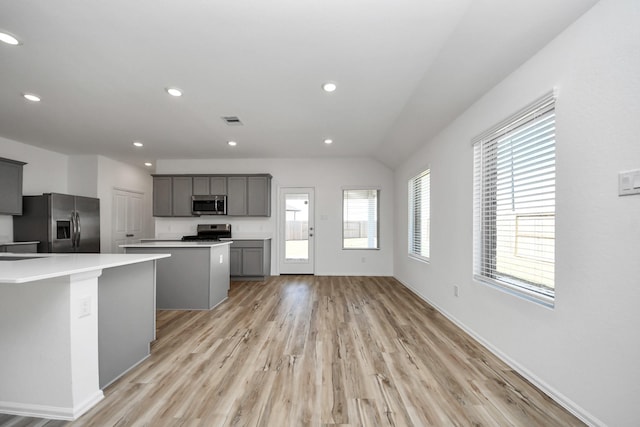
x=514, y=202
x=360, y=219
x=419, y=214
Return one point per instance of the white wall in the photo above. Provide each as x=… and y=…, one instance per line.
x=45, y=171
x=328, y=177
x=586, y=350
x=85, y=175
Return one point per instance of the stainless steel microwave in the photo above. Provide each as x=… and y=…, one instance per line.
x=209, y=205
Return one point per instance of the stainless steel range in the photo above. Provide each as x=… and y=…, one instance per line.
x=210, y=232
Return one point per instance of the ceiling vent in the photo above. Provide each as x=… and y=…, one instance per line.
x=232, y=121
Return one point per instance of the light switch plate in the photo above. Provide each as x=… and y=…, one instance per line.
x=629, y=183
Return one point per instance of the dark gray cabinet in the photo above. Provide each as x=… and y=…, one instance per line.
x=237, y=195
x=247, y=195
x=250, y=259
x=259, y=196
x=172, y=195
x=19, y=248
x=162, y=200
x=11, y=186
x=209, y=185
x=182, y=190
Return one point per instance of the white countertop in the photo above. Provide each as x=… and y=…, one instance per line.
x=47, y=266
x=247, y=237
x=176, y=244
x=17, y=243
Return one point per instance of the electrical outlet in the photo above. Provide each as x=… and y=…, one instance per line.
x=84, y=307
x=455, y=291
x=363, y=259
x=221, y=259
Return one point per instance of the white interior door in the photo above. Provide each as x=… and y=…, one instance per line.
x=127, y=219
x=297, y=231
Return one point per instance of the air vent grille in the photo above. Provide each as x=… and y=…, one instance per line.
x=232, y=120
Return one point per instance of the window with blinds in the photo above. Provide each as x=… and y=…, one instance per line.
x=514, y=203
x=419, y=215
x=360, y=219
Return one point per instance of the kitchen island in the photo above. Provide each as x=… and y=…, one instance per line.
x=196, y=277
x=70, y=324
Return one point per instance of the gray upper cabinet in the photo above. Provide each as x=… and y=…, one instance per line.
x=247, y=195
x=172, y=195
x=182, y=189
x=209, y=185
x=162, y=200
x=201, y=186
x=237, y=195
x=11, y=186
x=218, y=185
x=259, y=196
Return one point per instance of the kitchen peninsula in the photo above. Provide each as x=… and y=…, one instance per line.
x=196, y=277
x=70, y=324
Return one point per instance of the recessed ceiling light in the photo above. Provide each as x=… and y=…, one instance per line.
x=9, y=39
x=328, y=141
x=138, y=143
x=31, y=97
x=232, y=143
x=173, y=91
x=329, y=86
x=147, y=164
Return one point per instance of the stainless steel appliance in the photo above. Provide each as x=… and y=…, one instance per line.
x=60, y=222
x=210, y=232
x=209, y=205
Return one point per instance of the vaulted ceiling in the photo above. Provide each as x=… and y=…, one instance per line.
x=403, y=68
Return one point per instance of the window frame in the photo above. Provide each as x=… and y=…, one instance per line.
x=484, y=238
x=377, y=214
x=411, y=226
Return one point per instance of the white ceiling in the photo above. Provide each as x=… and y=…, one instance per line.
x=404, y=69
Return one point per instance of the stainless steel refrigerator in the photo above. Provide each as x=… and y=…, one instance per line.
x=60, y=222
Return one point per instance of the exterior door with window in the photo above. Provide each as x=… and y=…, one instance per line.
x=297, y=231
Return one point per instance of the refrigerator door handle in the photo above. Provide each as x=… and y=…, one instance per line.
x=73, y=229
x=78, y=229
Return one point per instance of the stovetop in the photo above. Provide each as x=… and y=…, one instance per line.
x=210, y=233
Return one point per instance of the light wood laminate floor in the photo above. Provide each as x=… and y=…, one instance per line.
x=318, y=351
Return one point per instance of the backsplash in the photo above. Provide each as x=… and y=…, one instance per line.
x=175, y=228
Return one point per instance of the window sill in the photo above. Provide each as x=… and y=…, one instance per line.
x=360, y=249
x=522, y=293
x=420, y=258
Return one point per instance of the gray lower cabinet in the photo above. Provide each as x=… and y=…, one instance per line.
x=192, y=278
x=11, y=187
x=126, y=318
x=250, y=259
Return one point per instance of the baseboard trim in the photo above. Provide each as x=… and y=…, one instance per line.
x=554, y=394
x=51, y=412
